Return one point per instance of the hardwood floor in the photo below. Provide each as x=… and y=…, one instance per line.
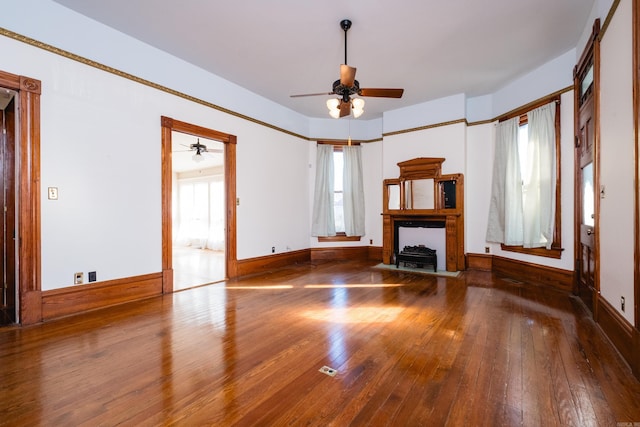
x=409, y=350
x=196, y=267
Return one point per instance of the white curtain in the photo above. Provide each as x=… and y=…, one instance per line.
x=199, y=217
x=323, y=221
x=505, y=210
x=540, y=181
x=353, y=191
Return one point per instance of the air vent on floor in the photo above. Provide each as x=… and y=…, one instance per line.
x=328, y=371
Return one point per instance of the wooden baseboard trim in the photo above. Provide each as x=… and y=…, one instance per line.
x=73, y=300
x=535, y=273
x=31, y=308
x=619, y=331
x=635, y=361
x=539, y=274
x=340, y=252
x=481, y=262
x=246, y=267
x=375, y=253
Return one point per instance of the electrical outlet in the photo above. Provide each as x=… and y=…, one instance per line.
x=52, y=193
x=273, y=249
x=486, y=249
x=77, y=278
x=371, y=241
x=92, y=276
x=622, y=303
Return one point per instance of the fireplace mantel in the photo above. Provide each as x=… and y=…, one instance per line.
x=408, y=203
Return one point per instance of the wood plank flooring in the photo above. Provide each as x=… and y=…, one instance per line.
x=409, y=350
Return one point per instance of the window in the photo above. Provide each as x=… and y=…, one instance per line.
x=338, y=193
x=338, y=211
x=525, y=202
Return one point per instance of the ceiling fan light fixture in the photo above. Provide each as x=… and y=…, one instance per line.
x=333, y=104
x=197, y=157
x=335, y=113
x=358, y=107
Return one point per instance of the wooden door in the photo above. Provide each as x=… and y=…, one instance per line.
x=7, y=207
x=586, y=175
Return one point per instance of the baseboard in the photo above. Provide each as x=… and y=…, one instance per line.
x=375, y=253
x=341, y=252
x=481, y=262
x=246, y=267
x=635, y=362
x=619, y=331
x=77, y=299
x=536, y=273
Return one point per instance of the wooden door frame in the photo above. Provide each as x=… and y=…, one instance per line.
x=592, y=50
x=27, y=195
x=636, y=128
x=169, y=125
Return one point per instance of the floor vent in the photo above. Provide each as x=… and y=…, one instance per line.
x=514, y=281
x=328, y=371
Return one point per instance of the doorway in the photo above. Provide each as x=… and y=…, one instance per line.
x=215, y=141
x=198, y=208
x=8, y=293
x=586, y=179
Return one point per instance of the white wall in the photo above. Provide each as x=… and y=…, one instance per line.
x=617, y=163
x=442, y=141
x=477, y=185
x=100, y=145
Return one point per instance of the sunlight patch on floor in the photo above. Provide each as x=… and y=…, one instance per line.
x=375, y=314
x=261, y=287
x=364, y=285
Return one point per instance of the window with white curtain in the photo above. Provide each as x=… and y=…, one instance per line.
x=338, y=209
x=524, y=214
x=200, y=219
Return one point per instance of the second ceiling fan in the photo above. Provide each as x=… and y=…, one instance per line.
x=347, y=86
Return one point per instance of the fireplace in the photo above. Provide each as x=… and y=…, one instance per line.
x=423, y=197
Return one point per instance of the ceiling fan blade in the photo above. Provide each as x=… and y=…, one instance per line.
x=381, y=93
x=311, y=94
x=347, y=75
x=345, y=108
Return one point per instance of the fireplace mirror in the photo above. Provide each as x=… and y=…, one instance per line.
x=419, y=194
x=393, y=196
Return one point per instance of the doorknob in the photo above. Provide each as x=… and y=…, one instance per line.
x=589, y=231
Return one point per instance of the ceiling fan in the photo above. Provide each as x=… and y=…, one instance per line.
x=200, y=150
x=347, y=86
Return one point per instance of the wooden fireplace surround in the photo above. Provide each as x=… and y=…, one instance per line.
x=447, y=209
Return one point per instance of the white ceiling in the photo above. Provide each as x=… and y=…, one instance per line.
x=278, y=48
